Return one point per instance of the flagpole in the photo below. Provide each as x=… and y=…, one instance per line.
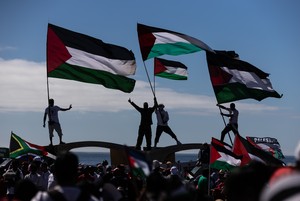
x=209, y=171
x=47, y=74
x=154, y=82
x=148, y=79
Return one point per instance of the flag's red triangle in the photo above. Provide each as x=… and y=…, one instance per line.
x=214, y=155
x=57, y=53
x=218, y=76
x=158, y=67
x=240, y=149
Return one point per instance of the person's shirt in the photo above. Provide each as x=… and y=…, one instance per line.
x=51, y=182
x=234, y=118
x=146, y=114
x=162, y=117
x=44, y=179
x=53, y=113
x=36, y=179
x=202, y=185
x=70, y=193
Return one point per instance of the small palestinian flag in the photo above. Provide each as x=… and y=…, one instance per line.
x=170, y=69
x=138, y=163
x=249, y=152
x=268, y=144
x=221, y=156
x=155, y=42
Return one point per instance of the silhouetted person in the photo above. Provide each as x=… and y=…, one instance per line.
x=145, y=124
x=162, y=124
x=53, y=121
x=233, y=120
x=65, y=172
x=203, y=155
x=25, y=190
x=11, y=177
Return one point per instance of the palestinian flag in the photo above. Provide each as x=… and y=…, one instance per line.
x=82, y=58
x=233, y=79
x=268, y=144
x=19, y=147
x=170, y=69
x=138, y=163
x=249, y=152
x=221, y=156
x=155, y=42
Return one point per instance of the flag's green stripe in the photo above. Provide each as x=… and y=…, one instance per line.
x=92, y=76
x=172, y=49
x=25, y=152
x=221, y=165
x=138, y=172
x=24, y=149
x=236, y=91
x=171, y=76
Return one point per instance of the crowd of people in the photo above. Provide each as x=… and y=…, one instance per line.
x=67, y=179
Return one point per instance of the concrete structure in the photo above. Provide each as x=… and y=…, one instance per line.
x=118, y=152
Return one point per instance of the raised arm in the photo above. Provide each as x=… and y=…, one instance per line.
x=133, y=104
x=155, y=103
x=65, y=109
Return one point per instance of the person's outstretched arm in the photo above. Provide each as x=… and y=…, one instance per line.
x=65, y=109
x=133, y=104
x=223, y=107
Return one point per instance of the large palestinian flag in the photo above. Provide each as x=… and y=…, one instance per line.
x=233, y=79
x=75, y=56
x=19, y=147
x=170, y=69
x=155, y=42
x=221, y=156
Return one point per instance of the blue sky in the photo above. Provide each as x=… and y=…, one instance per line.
x=264, y=33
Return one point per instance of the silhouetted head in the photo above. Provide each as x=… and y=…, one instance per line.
x=145, y=105
x=51, y=102
x=232, y=106
x=161, y=106
x=65, y=169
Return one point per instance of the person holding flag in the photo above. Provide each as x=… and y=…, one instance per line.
x=145, y=123
x=233, y=120
x=162, y=124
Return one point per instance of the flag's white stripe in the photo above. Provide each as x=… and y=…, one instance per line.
x=142, y=164
x=165, y=38
x=250, y=79
x=229, y=159
x=177, y=71
x=255, y=158
x=85, y=59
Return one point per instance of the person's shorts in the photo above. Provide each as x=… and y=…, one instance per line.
x=56, y=127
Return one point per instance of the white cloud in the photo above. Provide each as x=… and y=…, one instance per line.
x=23, y=86
x=7, y=48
